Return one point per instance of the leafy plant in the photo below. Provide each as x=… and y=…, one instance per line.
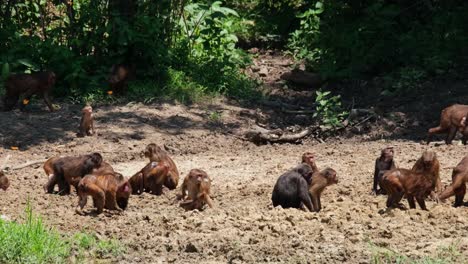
x=328, y=109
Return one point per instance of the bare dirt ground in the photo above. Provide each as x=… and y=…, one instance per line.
x=243, y=227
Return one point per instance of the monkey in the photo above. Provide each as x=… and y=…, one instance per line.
x=66, y=171
x=4, y=182
x=196, y=186
x=87, y=122
x=40, y=83
x=155, y=153
x=458, y=186
x=150, y=179
x=383, y=163
x=291, y=188
x=417, y=183
x=309, y=158
x=118, y=78
x=105, y=168
x=320, y=180
x=452, y=118
x=110, y=191
x=429, y=165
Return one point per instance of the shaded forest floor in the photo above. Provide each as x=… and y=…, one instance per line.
x=243, y=227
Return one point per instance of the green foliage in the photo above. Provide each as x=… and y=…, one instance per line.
x=403, y=81
x=33, y=242
x=356, y=39
x=328, y=109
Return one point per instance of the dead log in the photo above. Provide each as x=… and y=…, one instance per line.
x=261, y=135
x=27, y=164
x=303, y=78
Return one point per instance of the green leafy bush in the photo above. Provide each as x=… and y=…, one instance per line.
x=328, y=109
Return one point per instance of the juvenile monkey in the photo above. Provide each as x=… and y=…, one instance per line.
x=320, y=180
x=150, y=179
x=309, y=158
x=429, y=165
x=4, y=182
x=110, y=191
x=196, y=186
x=155, y=153
x=382, y=164
x=87, y=122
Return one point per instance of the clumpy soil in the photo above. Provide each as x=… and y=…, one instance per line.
x=243, y=227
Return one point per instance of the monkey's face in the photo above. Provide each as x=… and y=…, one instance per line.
x=308, y=158
x=428, y=159
x=387, y=154
x=123, y=194
x=330, y=174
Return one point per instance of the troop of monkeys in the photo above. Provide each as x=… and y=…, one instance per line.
x=91, y=176
x=299, y=187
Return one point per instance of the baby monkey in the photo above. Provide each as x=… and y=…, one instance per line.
x=87, y=122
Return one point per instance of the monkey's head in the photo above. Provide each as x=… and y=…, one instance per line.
x=96, y=159
x=87, y=110
x=198, y=176
x=153, y=151
x=4, y=182
x=306, y=171
x=117, y=74
x=308, y=158
x=123, y=194
x=387, y=154
x=428, y=159
x=330, y=175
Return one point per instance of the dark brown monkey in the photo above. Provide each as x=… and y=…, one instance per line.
x=4, y=182
x=109, y=191
x=399, y=182
x=429, y=165
x=320, y=180
x=196, y=187
x=291, y=188
x=451, y=121
x=69, y=170
x=118, y=78
x=87, y=122
x=309, y=158
x=150, y=179
x=155, y=153
x=383, y=163
x=40, y=83
x=458, y=186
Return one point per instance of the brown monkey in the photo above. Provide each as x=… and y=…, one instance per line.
x=309, y=158
x=320, y=180
x=458, y=186
x=108, y=191
x=105, y=168
x=291, y=188
x=150, y=179
x=429, y=165
x=383, y=163
x=40, y=83
x=155, y=153
x=69, y=170
x=418, y=182
x=4, y=182
x=87, y=122
x=451, y=120
x=196, y=186
x=118, y=78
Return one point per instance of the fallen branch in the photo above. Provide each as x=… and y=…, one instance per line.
x=298, y=112
x=29, y=163
x=264, y=136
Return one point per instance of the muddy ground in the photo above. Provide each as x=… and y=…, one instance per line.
x=243, y=227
